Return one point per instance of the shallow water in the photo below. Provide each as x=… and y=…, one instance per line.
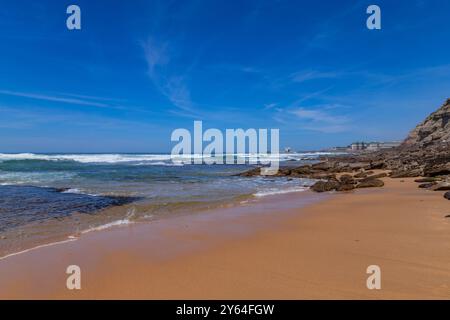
x=43, y=196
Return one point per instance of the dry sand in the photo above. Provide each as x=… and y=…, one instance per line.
x=278, y=249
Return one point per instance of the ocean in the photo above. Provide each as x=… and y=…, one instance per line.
x=49, y=197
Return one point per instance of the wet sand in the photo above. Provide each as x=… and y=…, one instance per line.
x=295, y=246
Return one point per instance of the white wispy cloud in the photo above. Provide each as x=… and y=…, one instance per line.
x=170, y=84
x=303, y=76
x=319, y=116
x=56, y=98
x=270, y=106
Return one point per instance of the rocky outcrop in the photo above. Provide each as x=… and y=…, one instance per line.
x=442, y=186
x=323, y=186
x=434, y=129
x=424, y=153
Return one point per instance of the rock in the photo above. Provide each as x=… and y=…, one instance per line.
x=322, y=165
x=361, y=174
x=322, y=176
x=427, y=179
x=377, y=165
x=406, y=173
x=435, y=128
x=370, y=183
x=425, y=152
x=427, y=185
x=358, y=165
x=437, y=170
x=442, y=186
x=250, y=173
x=347, y=179
x=447, y=195
x=302, y=170
x=323, y=186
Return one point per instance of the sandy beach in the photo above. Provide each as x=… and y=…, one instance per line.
x=279, y=249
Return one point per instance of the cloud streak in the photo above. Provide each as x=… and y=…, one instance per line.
x=170, y=84
x=52, y=98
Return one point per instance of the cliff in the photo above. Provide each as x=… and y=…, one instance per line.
x=435, y=129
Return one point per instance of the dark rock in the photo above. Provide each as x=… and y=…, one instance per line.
x=442, y=186
x=322, y=166
x=302, y=170
x=447, y=195
x=437, y=170
x=323, y=186
x=322, y=176
x=347, y=179
x=345, y=187
x=406, y=173
x=370, y=183
x=361, y=174
x=250, y=173
x=377, y=165
x=427, y=179
x=358, y=165
x=427, y=185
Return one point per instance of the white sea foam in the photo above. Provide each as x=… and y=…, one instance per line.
x=273, y=191
x=158, y=159
x=78, y=191
x=108, y=225
x=38, y=247
x=127, y=220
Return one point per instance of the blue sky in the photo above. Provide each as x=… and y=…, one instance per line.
x=139, y=69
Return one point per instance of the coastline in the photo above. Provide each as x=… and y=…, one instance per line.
x=288, y=250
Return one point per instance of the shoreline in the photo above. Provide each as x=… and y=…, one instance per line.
x=285, y=251
x=125, y=215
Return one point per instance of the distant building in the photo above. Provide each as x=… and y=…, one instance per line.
x=374, y=146
x=369, y=146
x=358, y=146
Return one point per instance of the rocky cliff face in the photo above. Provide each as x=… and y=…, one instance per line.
x=434, y=130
